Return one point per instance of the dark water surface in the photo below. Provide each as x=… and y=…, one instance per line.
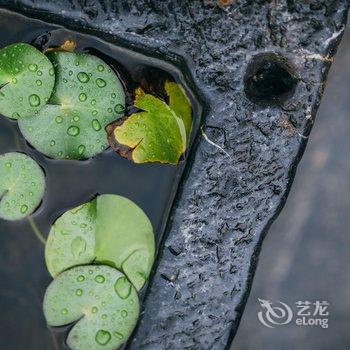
x=23, y=274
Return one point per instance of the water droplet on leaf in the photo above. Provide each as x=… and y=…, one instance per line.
x=34, y=100
x=59, y=119
x=123, y=287
x=83, y=77
x=99, y=279
x=78, y=246
x=80, y=278
x=33, y=67
x=82, y=97
x=100, y=82
x=96, y=125
x=73, y=130
x=102, y=337
x=24, y=208
x=81, y=149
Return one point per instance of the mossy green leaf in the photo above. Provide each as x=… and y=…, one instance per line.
x=180, y=104
x=22, y=185
x=26, y=81
x=154, y=134
x=111, y=230
x=99, y=299
x=87, y=96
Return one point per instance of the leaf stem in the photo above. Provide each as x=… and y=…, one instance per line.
x=36, y=230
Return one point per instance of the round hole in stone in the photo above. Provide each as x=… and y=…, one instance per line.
x=270, y=79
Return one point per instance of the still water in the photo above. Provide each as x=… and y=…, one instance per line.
x=23, y=274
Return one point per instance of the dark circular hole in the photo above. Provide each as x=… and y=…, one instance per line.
x=270, y=79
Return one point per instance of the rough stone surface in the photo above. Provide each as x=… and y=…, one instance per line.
x=245, y=158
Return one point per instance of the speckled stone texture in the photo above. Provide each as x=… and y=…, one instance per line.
x=245, y=156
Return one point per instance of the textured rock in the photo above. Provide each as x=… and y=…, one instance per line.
x=245, y=158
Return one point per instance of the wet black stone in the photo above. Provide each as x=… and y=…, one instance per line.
x=237, y=183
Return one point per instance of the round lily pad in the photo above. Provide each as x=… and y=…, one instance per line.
x=87, y=96
x=100, y=300
x=22, y=185
x=26, y=81
x=111, y=230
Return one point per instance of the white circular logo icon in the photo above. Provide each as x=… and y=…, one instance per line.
x=272, y=316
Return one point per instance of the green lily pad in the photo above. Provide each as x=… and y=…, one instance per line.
x=155, y=134
x=22, y=185
x=111, y=230
x=100, y=300
x=26, y=81
x=87, y=96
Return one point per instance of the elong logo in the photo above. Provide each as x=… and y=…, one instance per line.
x=308, y=313
x=272, y=316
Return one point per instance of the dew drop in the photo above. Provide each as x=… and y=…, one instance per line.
x=52, y=143
x=80, y=278
x=78, y=246
x=94, y=309
x=14, y=80
x=73, y=130
x=103, y=337
x=96, y=125
x=33, y=67
x=100, y=83
x=24, y=208
x=99, y=279
x=124, y=313
x=59, y=119
x=83, y=77
x=82, y=97
x=39, y=82
x=118, y=335
x=100, y=68
x=118, y=108
x=8, y=165
x=34, y=100
x=122, y=287
x=51, y=71
x=81, y=149
x=64, y=311
x=79, y=292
